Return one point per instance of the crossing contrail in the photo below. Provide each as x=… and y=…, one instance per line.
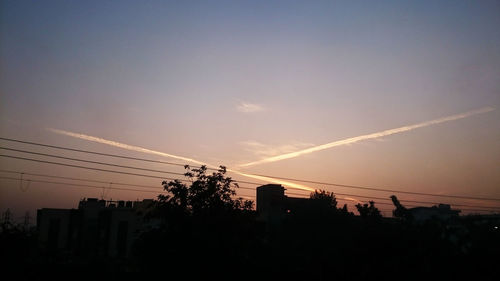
x=367, y=137
x=155, y=152
x=273, y=180
x=278, y=157
x=125, y=146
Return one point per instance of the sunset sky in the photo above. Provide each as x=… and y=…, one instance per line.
x=234, y=82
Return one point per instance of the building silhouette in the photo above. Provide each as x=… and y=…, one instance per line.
x=96, y=228
x=441, y=212
x=273, y=205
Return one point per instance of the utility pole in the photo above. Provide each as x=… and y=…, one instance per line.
x=6, y=217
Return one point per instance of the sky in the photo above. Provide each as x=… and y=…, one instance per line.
x=235, y=82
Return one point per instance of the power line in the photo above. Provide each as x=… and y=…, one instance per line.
x=110, y=155
x=379, y=189
x=108, y=164
x=101, y=187
x=83, y=167
x=78, y=179
x=150, y=176
x=389, y=204
x=253, y=183
x=83, y=185
x=246, y=182
x=150, y=191
x=101, y=153
x=481, y=208
x=92, y=162
x=411, y=201
x=90, y=168
x=169, y=172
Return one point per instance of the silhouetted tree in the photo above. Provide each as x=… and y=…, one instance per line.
x=344, y=208
x=368, y=211
x=327, y=202
x=325, y=198
x=345, y=211
x=213, y=192
x=400, y=211
x=201, y=221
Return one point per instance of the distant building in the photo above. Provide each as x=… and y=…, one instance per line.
x=442, y=212
x=96, y=228
x=55, y=228
x=271, y=202
x=491, y=221
x=274, y=205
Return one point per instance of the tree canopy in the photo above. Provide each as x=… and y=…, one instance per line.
x=368, y=210
x=206, y=193
x=325, y=197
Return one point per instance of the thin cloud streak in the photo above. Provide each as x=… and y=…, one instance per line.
x=367, y=137
x=265, y=150
x=149, y=151
x=246, y=107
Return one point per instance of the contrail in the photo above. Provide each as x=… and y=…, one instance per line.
x=150, y=151
x=285, y=183
x=367, y=137
x=125, y=146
